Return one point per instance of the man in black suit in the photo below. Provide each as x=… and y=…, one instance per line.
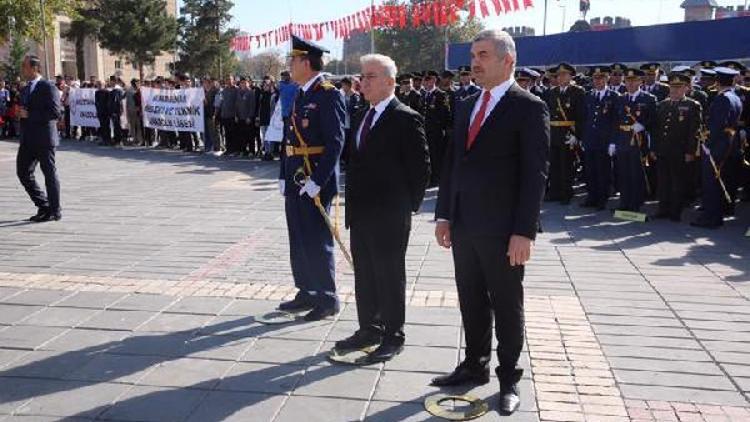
x=387, y=176
x=40, y=110
x=488, y=211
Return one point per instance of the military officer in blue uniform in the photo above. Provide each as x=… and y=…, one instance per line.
x=634, y=116
x=525, y=78
x=651, y=83
x=467, y=87
x=738, y=172
x=309, y=172
x=719, y=149
x=617, y=72
x=598, y=133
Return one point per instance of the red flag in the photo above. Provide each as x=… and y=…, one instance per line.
x=516, y=6
x=483, y=8
x=427, y=13
x=416, y=15
x=436, y=13
x=472, y=9
x=507, y=6
x=528, y=3
x=443, y=13
x=402, y=16
x=498, y=6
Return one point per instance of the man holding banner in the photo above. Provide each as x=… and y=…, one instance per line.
x=308, y=177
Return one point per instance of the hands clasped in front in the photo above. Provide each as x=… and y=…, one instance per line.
x=519, y=247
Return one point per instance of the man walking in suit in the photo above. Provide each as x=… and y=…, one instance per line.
x=40, y=109
x=387, y=176
x=488, y=211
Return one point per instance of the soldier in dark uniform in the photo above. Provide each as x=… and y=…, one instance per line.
x=408, y=95
x=308, y=177
x=536, y=82
x=525, y=78
x=696, y=93
x=675, y=145
x=597, y=135
x=634, y=116
x=615, y=78
x=446, y=85
x=467, y=88
x=651, y=82
x=567, y=114
x=723, y=115
x=437, y=122
x=417, y=79
x=550, y=78
x=738, y=174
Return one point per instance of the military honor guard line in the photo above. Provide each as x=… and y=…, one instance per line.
x=495, y=148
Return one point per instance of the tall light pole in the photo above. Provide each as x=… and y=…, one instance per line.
x=564, y=8
x=544, y=24
x=372, y=28
x=44, y=37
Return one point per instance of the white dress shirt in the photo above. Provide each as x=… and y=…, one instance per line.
x=310, y=83
x=379, y=109
x=496, y=94
x=600, y=94
x=33, y=83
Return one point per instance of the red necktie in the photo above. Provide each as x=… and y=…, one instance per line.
x=478, y=120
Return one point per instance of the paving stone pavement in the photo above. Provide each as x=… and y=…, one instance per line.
x=139, y=306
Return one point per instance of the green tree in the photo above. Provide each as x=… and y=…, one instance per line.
x=204, y=38
x=85, y=25
x=22, y=18
x=423, y=48
x=137, y=30
x=16, y=53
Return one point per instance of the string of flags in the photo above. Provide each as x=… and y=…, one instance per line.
x=438, y=13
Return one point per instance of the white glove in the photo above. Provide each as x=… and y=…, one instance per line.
x=743, y=135
x=282, y=186
x=311, y=189
x=612, y=150
x=571, y=140
x=638, y=128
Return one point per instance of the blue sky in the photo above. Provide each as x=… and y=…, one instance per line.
x=258, y=16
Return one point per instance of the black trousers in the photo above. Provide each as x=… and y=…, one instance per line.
x=489, y=287
x=230, y=131
x=561, y=171
x=117, y=127
x=379, y=254
x=436, y=144
x=26, y=161
x=104, y=129
x=598, y=170
x=674, y=182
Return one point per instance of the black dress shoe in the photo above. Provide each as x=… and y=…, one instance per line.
x=509, y=399
x=319, y=312
x=41, y=213
x=51, y=216
x=463, y=374
x=385, y=352
x=298, y=304
x=362, y=339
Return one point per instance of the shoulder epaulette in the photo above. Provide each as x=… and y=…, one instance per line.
x=327, y=85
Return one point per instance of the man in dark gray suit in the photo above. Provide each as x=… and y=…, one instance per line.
x=40, y=109
x=228, y=113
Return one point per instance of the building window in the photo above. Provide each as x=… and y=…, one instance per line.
x=118, y=64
